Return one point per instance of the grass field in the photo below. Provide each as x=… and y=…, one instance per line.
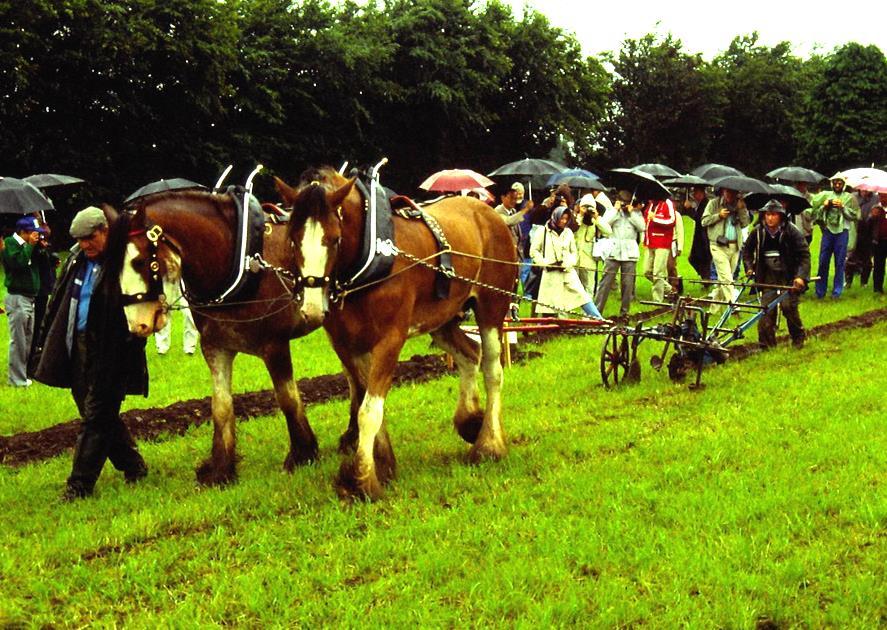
x=760, y=499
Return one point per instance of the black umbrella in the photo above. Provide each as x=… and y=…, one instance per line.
x=640, y=184
x=741, y=183
x=529, y=167
x=656, y=170
x=578, y=181
x=796, y=174
x=52, y=180
x=19, y=197
x=686, y=181
x=164, y=185
x=714, y=171
x=795, y=201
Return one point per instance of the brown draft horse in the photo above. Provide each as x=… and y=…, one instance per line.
x=368, y=327
x=198, y=245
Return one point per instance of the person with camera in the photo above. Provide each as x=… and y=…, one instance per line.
x=624, y=225
x=22, y=282
x=776, y=256
x=723, y=218
x=590, y=242
x=553, y=249
x=834, y=211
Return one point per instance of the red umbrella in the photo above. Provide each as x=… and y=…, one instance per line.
x=455, y=179
x=875, y=183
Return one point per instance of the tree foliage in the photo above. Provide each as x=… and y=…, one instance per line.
x=122, y=92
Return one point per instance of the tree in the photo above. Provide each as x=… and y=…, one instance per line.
x=664, y=107
x=762, y=97
x=845, y=112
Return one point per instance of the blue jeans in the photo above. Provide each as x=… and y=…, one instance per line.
x=832, y=245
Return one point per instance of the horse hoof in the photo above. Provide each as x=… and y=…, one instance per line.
x=469, y=427
x=487, y=452
x=209, y=474
x=295, y=459
x=352, y=486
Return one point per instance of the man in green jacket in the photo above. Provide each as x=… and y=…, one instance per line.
x=22, y=283
x=834, y=211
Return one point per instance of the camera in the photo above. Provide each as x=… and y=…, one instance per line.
x=722, y=240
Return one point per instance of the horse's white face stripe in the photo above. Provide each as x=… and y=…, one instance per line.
x=313, y=249
x=131, y=282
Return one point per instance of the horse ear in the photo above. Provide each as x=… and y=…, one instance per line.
x=287, y=194
x=336, y=197
x=137, y=222
x=111, y=213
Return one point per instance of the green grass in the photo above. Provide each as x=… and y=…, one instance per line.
x=760, y=497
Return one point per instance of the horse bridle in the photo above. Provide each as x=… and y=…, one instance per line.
x=155, y=283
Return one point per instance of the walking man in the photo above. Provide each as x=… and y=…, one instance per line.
x=776, y=255
x=834, y=211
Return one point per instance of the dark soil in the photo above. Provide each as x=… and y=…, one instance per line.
x=176, y=419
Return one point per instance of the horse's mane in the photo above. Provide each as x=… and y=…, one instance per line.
x=314, y=183
x=181, y=195
x=115, y=247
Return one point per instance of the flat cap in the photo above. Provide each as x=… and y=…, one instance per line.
x=87, y=221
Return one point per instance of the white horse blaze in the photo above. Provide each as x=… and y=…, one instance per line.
x=315, y=255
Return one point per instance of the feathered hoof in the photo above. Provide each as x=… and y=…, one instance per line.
x=299, y=457
x=487, y=451
x=351, y=485
x=469, y=427
x=209, y=473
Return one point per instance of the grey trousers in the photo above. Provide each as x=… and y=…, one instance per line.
x=20, y=313
x=627, y=269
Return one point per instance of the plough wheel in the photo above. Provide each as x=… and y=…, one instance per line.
x=616, y=360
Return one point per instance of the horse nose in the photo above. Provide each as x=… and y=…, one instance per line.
x=142, y=330
x=312, y=314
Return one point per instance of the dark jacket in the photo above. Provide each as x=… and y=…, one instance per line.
x=116, y=360
x=793, y=251
x=22, y=276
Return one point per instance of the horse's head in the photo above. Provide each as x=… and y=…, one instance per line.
x=147, y=257
x=316, y=231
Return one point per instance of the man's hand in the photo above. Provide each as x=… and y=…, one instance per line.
x=798, y=284
x=724, y=213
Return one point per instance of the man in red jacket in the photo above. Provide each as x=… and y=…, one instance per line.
x=660, y=215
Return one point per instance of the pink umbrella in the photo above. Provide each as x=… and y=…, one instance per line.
x=455, y=179
x=876, y=182
x=482, y=193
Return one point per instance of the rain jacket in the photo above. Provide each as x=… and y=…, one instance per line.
x=716, y=226
x=624, y=228
x=793, y=252
x=660, y=224
x=117, y=364
x=835, y=220
x=558, y=287
x=22, y=276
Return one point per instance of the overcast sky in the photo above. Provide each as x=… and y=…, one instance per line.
x=709, y=27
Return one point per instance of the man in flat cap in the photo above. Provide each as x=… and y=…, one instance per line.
x=85, y=345
x=22, y=280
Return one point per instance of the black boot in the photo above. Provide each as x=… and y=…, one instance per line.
x=89, y=458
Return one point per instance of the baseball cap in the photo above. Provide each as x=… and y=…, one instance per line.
x=29, y=224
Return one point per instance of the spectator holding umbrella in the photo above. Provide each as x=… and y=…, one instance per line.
x=658, y=237
x=833, y=210
x=700, y=253
x=624, y=224
x=877, y=227
x=723, y=218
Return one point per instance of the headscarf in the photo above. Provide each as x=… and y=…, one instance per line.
x=556, y=215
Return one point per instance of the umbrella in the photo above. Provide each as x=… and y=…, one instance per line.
x=741, y=183
x=52, y=180
x=875, y=183
x=642, y=185
x=796, y=202
x=19, y=197
x=454, y=180
x=714, y=171
x=529, y=167
x=163, y=185
x=796, y=174
x=686, y=181
x=482, y=193
x=579, y=181
x=855, y=176
x=578, y=172
x=656, y=170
